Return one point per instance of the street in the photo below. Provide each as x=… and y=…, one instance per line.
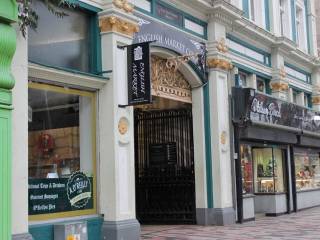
x=303, y=225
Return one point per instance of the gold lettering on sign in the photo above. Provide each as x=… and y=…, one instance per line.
x=168, y=83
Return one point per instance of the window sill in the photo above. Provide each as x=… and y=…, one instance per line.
x=308, y=190
x=69, y=70
x=271, y=193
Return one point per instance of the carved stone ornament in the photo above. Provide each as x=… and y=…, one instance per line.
x=222, y=47
x=219, y=63
x=124, y=5
x=115, y=24
x=167, y=82
x=282, y=73
x=123, y=126
x=279, y=86
x=316, y=100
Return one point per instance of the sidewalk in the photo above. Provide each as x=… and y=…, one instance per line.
x=304, y=225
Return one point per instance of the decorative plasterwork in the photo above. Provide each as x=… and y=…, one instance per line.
x=316, y=100
x=124, y=5
x=279, y=86
x=282, y=73
x=223, y=64
x=116, y=24
x=168, y=82
x=222, y=46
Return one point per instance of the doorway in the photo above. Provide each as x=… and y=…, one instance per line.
x=164, y=163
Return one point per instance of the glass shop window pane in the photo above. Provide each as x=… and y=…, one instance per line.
x=60, y=42
x=60, y=151
x=278, y=170
x=263, y=172
x=246, y=167
x=307, y=164
x=268, y=170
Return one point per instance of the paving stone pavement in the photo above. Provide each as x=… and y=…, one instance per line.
x=304, y=225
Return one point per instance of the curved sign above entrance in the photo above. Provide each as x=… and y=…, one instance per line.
x=170, y=38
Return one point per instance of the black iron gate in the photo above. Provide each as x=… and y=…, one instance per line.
x=164, y=163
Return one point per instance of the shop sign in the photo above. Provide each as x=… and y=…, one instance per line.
x=266, y=109
x=54, y=195
x=139, y=85
x=170, y=38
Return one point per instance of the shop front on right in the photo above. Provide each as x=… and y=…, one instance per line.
x=278, y=149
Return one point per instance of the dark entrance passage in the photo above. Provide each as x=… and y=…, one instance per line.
x=165, y=182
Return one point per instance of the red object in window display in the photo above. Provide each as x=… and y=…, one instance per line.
x=45, y=144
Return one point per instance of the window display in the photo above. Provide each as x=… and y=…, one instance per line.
x=246, y=168
x=307, y=168
x=61, y=156
x=268, y=170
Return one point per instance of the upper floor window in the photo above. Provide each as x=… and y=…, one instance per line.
x=243, y=79
x=252, y=8
x=282, y=16
x=261, y=85
x=300, y=28
x=67, y=42
x=295, y=96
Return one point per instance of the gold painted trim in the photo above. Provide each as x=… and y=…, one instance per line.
x=316, y=100
x=124, y=5
x=92, y=96
x=115, y=24
x=278, y=86
x=222, y=46
x=219, y=63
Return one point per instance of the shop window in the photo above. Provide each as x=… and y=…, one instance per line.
x=268, y=170
x=61, y=151
x=307, y=168
x=246, y=168
x=63, y=42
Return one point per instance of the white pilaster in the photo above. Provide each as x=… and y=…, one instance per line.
x=116, y=169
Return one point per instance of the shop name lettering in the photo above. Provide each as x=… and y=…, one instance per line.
x=46, y=185
x=78, y=186
x=272, y=109
x=166, y=41
x=135, y=74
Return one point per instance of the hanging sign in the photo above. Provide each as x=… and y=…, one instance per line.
x=139, y=85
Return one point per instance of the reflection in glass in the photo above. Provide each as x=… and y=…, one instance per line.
x=246, y=168
x=268, y=171
x=307, y=168
x=59, y=134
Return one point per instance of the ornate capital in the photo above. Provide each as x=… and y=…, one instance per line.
x=279, y=86
x=7, y=49
x=116, y=24
x=316, y=100
x=219, y=63
x=124, y=5
x=222, y=46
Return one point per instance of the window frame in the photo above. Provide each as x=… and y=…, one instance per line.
x=92, y=96
x=94, y=40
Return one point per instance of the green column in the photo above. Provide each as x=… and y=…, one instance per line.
x=8, y=15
